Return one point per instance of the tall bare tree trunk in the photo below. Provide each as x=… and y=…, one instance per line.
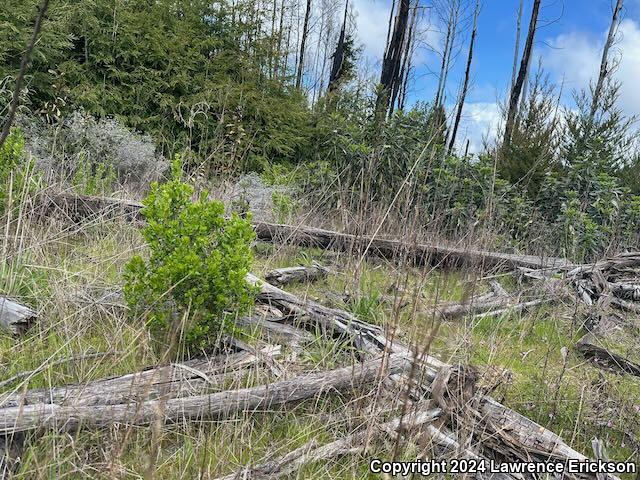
x=391, y=19
x=452, y=26
x=516, y=50
x=303, y=42
x=392, y=59
x=400, y=89
x=443, y=66
x=338, y=54
x=604, y=63
x=522, y=74
x=26, y=57
x=465, y=84
x=279, y=47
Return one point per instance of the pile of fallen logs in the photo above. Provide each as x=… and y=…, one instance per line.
x=439, y=403
x=468, y=423
x=610, y=291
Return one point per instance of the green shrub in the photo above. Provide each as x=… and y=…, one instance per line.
x=94, y=180
x=284, y=206
x=196, y=268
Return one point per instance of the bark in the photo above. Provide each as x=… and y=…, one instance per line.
x=26, y=57
x=465, y=83
x=177, y=380
x=498, y=427
x=391, y=62
x=276, y=331
x=516, y=51
x=394, y=249
x=522, y=74
x=354, y=443
x=14, y=317
x=303, y=43
x=443, y=66
x=400, y=90
x=212, y=406
x=605, y=359
x=284, y=276
x=338, y=55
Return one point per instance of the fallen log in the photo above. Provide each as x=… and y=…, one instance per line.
x=273, y=331
x=218, y=405
x=82, y=207
x=14, y=317
x=499, y=428
x=62, y=361
x=604, y=359
x=175, y=380
x=287, y=275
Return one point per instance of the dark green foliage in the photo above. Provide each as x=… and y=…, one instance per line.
x=532, y=151
x=191, y=73
x=598, y=144
x=196, y=268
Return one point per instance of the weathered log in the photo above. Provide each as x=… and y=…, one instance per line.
x=79, y=207
x=276, y=331
x=499, y=427
x=193, y=377
x=215, y=406
x=603, y=358
x=15, y=317
x=287, y=275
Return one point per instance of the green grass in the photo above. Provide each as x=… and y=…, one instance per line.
x=559, y=390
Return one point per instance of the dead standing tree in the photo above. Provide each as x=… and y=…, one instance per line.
x=465, y=83
x=400, y=91
x=605, y=69
x=522, y=74
x=303, y=42
x=452, y=25
x=390, y=76
x=339, y=54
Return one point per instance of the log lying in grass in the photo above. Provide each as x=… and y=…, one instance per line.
x=14, y=317
x=273, y=331
x=193, y=377
x=79, y=207
x=214, y=406
x=499, y=428
x=605, y=359
x=420, y=254
x=287, y=275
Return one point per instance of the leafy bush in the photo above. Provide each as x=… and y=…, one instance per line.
x=197, y=266
x=284, y=206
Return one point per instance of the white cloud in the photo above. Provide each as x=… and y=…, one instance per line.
x=480, y=121
x=576, y=58
x=372, y=17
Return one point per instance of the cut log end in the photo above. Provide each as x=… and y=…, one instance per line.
x=14, y=317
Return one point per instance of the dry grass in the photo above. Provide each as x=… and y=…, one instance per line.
x=55, y=266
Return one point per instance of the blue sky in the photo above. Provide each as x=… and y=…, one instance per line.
x=568, y=42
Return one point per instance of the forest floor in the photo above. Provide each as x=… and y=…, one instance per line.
x=526, y=359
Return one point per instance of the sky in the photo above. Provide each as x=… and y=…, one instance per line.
x=569, y=41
